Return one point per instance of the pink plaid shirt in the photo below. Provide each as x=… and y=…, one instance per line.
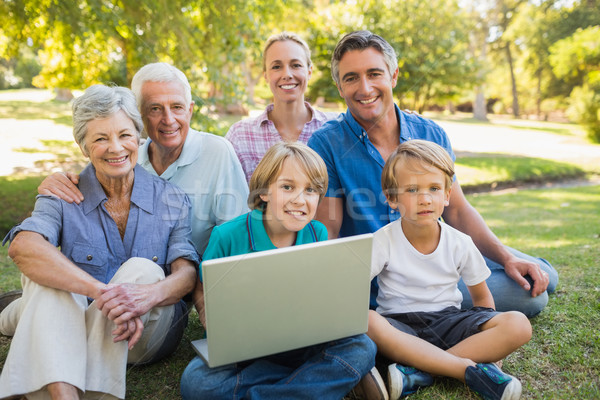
x=252, y=137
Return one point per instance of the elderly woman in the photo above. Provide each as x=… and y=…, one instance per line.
x=112, y=294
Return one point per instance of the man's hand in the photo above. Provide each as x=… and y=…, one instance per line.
x=131, y=331
x=517, y=268
x=123, y=302
x=62, y=185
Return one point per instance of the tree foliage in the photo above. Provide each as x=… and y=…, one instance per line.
x=445, y=49
x=577, y=59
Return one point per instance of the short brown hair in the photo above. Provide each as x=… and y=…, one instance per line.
x=270, y=166
x=428, y=153
x=362, y=40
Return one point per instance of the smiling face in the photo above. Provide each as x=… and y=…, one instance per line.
x=166, y=115
x=421, y=193
x=366, y=85
x=291, y=202
x=112, y=146
x=287, y=71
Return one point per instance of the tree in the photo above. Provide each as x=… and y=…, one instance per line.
x=430, y=39
x=578, y=58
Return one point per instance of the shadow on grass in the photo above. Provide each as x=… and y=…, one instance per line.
x=543, y=126
x=57, y=111
x=488, y=171
x=66, y=157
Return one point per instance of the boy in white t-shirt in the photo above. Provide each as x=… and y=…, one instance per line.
x=418, y=261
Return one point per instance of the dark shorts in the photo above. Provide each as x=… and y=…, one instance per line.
x=444, y=328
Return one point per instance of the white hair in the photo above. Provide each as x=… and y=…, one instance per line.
x=159, y=72
x=100, y=101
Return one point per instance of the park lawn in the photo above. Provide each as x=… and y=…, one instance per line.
x=563, y=358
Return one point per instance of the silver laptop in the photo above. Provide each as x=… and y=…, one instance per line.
x=273, y=301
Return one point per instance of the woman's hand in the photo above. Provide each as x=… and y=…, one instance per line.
x=123, y=302
x=131, y=331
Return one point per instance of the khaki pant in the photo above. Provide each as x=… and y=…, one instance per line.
x=59, y=338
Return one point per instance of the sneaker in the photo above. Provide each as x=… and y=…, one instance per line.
x=491, y=383
x=403, y=380
x=9, y=297
x=371, y=387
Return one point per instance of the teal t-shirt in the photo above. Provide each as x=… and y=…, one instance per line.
x=247, y=234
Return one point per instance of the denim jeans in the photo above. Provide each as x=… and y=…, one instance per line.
x=508, y=295
x=323, y=371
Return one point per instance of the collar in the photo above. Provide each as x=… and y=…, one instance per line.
x=188, y=155
x=263, y=118
x=360, y=132
x=142, y=193
x=257, y=234
x=259, y=239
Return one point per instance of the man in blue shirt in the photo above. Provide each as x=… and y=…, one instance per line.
x=355, y=147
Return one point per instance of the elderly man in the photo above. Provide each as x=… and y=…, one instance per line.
x=355, y=147
x=203, y=165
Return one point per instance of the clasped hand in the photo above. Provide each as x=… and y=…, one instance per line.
x=124, y=304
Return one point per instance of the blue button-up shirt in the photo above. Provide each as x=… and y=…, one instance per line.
x=355, y=165
x=158, y=226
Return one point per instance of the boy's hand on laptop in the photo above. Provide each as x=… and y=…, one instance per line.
x=517, y=268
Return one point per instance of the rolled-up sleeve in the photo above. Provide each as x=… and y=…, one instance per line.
x=46, y=219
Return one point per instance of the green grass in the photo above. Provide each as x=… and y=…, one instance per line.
x=495, y=170
x=563, y=358
x=18, y=194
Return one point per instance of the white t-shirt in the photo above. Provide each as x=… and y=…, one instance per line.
x=410, y=281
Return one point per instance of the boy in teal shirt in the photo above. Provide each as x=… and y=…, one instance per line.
x=285, y=190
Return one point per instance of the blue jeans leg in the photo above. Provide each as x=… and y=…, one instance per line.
x=201, y=382
x=326, y=371
x=508, y=295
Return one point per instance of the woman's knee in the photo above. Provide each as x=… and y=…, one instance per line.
x=138, y=270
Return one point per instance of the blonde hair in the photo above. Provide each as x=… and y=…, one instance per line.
x=270, y=166
x=423, y=151
x=282, y=37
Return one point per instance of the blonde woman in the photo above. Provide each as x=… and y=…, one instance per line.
x=287, y=67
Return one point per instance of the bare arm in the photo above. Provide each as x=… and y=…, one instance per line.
x=44, y=264
x=123, y=302
x=62, y=185
x=330, y=213
x=198, y=299
x=462, y=216
x=481, y=295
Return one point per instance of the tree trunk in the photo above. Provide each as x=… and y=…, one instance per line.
x=63, y=94
x=479, y=109
x=479, y=106
x=451, y=108
x=515, y=103
x=539, y=93
x=250, y=82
